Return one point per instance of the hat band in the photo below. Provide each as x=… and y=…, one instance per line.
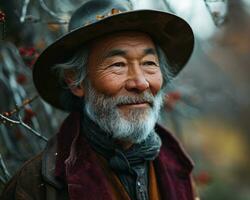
x=113, y=11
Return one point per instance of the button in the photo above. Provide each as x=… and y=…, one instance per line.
x=139, y=183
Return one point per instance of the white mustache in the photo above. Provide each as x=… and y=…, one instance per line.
x=140, y=98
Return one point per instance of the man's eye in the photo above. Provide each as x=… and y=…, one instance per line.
x=118, y=64
x=149, y=63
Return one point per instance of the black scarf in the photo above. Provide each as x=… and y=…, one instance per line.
x=119, y=159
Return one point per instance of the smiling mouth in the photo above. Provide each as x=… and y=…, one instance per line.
x=136, y=105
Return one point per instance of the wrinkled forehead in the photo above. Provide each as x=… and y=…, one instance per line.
x=121, y=40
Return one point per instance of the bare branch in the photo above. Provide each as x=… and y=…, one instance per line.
x=31, y=130
x=18, y=108
x=2, y=179
x=25, y=18
x=167, y=5
x=32, y=19
x=218, y=18
x=24, y=10
x=4, y=118
x=50, y=12
x=4, y=169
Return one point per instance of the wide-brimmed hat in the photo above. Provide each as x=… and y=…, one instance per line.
x=99, y=17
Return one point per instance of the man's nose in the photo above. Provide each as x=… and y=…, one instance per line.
x=136, y=80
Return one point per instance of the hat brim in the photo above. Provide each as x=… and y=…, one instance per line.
x=171, y=32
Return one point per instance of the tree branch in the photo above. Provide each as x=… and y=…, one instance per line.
x=4, y=118
x=217, y=19
x=4, y=169
x=32, y=19
x=30, y=129
x=50, y=12
x=24, y=10
x=18, y=108
x=2, y=179
x=167, y=5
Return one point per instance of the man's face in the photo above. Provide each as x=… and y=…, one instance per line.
x=123, y=84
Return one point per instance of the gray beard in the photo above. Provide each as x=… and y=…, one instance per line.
x=136, y=126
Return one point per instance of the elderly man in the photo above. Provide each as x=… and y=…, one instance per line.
x=110, y=72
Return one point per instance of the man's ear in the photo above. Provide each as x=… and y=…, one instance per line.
x=69, y=78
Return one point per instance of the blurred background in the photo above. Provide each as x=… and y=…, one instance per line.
x=207, y=105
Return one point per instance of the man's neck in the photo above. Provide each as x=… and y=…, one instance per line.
x=124, y=144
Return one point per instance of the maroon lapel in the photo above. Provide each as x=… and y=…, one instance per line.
x=65, y=137
x=173, y=168
x=77, y=164
x=86, y=177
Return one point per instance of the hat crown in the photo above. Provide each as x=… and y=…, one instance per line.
x=94, y=10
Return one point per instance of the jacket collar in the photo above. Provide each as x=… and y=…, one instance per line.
x=59, y=147
x=49, y=164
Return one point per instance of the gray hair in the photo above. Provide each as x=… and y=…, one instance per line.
x=77, y=63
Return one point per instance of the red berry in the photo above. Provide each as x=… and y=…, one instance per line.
x=2, y=16
x=21, y=79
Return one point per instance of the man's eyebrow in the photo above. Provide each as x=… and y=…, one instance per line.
x=150, y=51
x=115, y=52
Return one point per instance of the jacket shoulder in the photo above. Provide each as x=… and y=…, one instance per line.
x=27, y=183
x=174, y=150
